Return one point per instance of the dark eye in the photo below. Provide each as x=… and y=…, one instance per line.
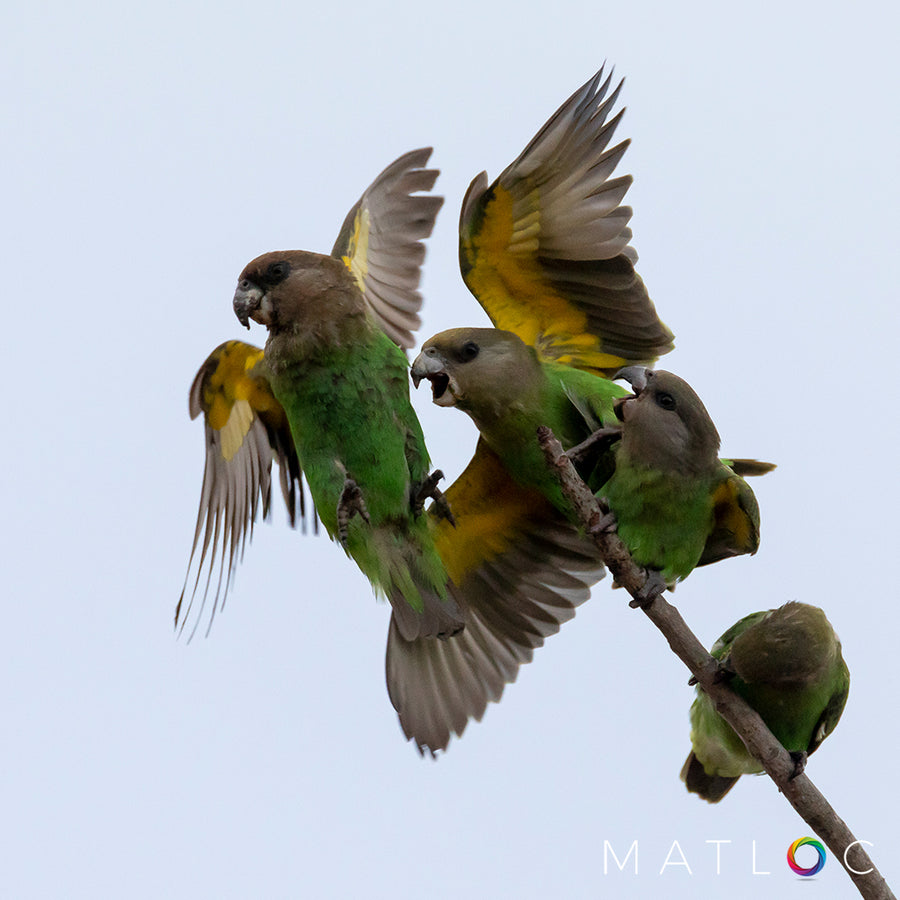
x=469, y=351
x=666, y=401
x=276, y=272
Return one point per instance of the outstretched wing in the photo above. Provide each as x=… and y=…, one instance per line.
x=545, y=249
x=381, y=242
x=518, y=571
x=245, y=430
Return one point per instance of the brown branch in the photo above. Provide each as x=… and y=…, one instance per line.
x=801, y=793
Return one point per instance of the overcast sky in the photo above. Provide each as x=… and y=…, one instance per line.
x=147, y=155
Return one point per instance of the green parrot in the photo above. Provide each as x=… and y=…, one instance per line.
x=328, y=400
x=676, y=504
x=508, y=390
x=787, y=664
x=334, y=364
x=546, y=251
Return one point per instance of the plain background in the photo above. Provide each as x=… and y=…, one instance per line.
x=148, y=152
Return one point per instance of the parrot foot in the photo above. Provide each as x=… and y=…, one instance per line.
x=590, y=448
x=721, y=675
x=799, y=757
x=607, y=523
x=428, y=488
x=350, y=504
x=652, y=587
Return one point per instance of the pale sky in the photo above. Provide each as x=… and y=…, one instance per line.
x=148, y=154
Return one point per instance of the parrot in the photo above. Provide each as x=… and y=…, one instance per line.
x=546, y=252
x=335, y=364
x=787, y=664
x=329, y=402
x=676, y=504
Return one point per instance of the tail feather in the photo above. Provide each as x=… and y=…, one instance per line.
x=441, y=617
x=711, y=788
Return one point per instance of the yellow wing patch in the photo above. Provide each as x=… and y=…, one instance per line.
x=490, y=511
x=505, y=275
x=357, y=256
x=731, y=518
x=230, y=395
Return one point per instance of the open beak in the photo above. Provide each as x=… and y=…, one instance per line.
x=429, y=364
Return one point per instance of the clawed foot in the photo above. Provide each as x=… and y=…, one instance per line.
x=600, y=441
x=799, y=757
x=428, y=488
x=722, y=674
x=652, y=587
x=350, y=504
x=607, y=523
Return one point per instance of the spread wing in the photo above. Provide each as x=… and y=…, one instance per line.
x=546, y=248
x=245, y=430
x=519, y=570
x=381, y=242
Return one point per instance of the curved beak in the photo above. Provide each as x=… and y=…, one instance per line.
x=636, y=376
x=429, y=364
x=248, y=304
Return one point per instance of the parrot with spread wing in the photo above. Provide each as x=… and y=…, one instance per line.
x=329, y=396
x=787, y=664
x=328, y=400
x=546, y=252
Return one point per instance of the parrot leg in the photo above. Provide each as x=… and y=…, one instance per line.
x=428, y=488
x=799, y=757
x=607, y=523
x=590, y=448
x=350, y=504
x=722, y=674
x=654, y=585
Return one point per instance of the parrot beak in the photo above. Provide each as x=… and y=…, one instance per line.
x=619, y=408
x=251, y=303
x=636, y=376
x=429, y=364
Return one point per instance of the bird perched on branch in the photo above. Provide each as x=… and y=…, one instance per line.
x=787, y=664
x=546, y=251
x=676, y=504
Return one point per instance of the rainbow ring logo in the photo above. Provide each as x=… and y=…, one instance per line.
x=812, y=870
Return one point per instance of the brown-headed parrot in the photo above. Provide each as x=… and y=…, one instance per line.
x=329, y=396
x=787, y=664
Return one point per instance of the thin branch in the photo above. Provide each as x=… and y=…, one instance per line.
x=802, y=794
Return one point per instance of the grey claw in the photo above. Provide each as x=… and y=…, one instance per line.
x=652, y=587
x=350, y=504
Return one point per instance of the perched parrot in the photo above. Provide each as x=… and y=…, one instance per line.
x=332, y=397
x=546, y=252
x=787, y=664
x=677, y=505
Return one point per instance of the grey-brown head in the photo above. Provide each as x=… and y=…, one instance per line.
x=666, y=425
x=295, y=291
x=483, y=371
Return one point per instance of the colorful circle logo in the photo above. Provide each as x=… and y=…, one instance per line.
x=812, y=870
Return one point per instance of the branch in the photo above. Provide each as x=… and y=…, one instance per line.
x=801, y=793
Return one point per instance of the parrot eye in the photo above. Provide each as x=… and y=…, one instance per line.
x=277, y=272
x=666, y=401
x=469, y=351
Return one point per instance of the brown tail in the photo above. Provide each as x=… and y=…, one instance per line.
x=710, y=787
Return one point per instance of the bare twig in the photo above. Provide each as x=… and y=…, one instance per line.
x=802, y=794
